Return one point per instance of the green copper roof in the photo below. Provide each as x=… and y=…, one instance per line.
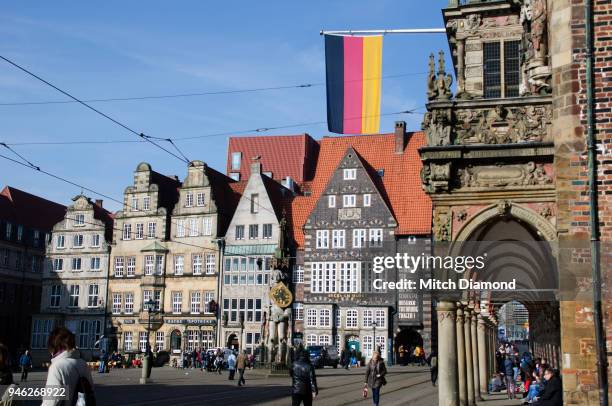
x=156, y=247
x=261, y=249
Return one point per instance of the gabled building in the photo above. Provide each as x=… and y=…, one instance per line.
x=26, y=221
x=255, y=236
x=199, y=219
x=139, y=258
x=364, y=201
x=289, y=159
x=74, y=284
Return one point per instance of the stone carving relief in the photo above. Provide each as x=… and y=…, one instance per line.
x=435, y=177
x=534, y=64
x=437, y=127
x=438, y=84
x=442, y=226
x=503, y=125
x=529, y=174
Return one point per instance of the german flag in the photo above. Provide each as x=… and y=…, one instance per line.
x=353, y=67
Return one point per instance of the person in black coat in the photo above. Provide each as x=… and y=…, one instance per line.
x=304, y=382
x=552, y=393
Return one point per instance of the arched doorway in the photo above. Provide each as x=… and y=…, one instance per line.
x=516, y=244
x=175, y=341
x=232, y=342
x=405, y=343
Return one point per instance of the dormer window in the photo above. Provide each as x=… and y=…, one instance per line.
x=350, y=174
x=501, y=68
x=236, y=161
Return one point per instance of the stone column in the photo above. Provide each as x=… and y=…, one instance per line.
x=475, y=354
x=460, y=66
x=467, y=326
x=483, y=355
x=447, y=354
x=462, y=380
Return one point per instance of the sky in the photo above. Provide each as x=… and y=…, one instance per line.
x=115, y=49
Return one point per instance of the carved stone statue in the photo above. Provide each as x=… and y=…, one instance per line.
x=534, y=60
x=437, y=127
x=280, y=314
x=438, y=85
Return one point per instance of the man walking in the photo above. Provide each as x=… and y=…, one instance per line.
x=25, y=363
x=432, y=360
x=304, y=382
x=231, y=365
x=241, y=365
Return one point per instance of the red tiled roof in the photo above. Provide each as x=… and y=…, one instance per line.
x=29, y=210
x=401, y=182
x=283, y=155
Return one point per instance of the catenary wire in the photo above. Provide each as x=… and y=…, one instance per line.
x=196, y=94
x=120, y=124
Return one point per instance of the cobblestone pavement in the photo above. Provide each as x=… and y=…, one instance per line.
x=169, y=386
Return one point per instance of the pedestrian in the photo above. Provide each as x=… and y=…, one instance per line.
x=432, y=360
x=375, y=377
x=402, y=355
x=103, y=358
x=509, y=376
x=25, y=363
x=241, y=362
x=551, y=394
x=231, y=365
x=304, y=381
x=219, y=362
x=67, y=369
x=353, y=357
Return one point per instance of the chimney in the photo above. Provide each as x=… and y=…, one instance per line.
x=99, y=203
x=400, y=137
x=256, y=165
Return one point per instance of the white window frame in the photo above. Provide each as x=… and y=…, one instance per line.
x=179, y=264
x=298, y=310
x=146, y=203
x=73, y=296
x=331, y=201
x=349, y=200
x=322, y=239
x=376, y=237
x=193, y=227
x=180, y=228
x=195, y=302
x=338, y=238
x=151, y=229
x=116, y=307
x=200, y=198
x=129, y=303
x=352, y=318
x=196, y=264
x=149, y=265
x=311, y=317
x=93, y=292
x=367, y=318
x=95, y=240
x=210, y=264
x=119, y=267
x=367, y=200
x=359, y=237
x=57, y=264
x=55, y=296
x=139, y=235
x=207, y=226
x=381, y=318
x=128, y=341
x=79, y=220
x=78, y=241
x=94, y=263
x=324, y=318
x=77, y=264
x=130, y=266
x=298, y=274
x=235, y=161
x=189, y=200
x=60, y=241
x=127, y=231
x=177, y=302
x=159, y=340
x=349, y=174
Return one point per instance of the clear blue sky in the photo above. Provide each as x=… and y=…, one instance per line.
x=138, y=48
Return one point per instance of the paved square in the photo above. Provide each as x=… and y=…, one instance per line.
x=170, y=386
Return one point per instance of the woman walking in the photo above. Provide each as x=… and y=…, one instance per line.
x=375, y=377
x=67, y=369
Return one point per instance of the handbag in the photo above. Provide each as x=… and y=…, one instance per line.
x=365, y=392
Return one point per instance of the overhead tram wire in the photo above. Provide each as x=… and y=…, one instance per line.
x=226, y=133
x=120, y=124
x=197, y=94
x=38, y=169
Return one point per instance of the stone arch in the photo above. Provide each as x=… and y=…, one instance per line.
x=505, y=208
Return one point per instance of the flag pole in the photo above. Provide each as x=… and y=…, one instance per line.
x=385, y=32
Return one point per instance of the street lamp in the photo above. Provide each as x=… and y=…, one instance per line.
x=150, y=306
x=374, y=325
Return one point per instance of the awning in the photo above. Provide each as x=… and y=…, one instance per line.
x=261, y=249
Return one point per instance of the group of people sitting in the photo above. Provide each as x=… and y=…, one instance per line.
x=411, y=355
x=532, y=378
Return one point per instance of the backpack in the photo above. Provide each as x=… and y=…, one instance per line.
x=83, y=393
